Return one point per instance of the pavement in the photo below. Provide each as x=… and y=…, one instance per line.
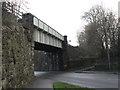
x=98, y=72
x=85, y=79
x=0, y=85
x=41, y=82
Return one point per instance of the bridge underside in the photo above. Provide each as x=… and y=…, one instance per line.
x=47, y=48
x=47, y=58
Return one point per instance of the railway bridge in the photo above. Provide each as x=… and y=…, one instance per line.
x=49, y=45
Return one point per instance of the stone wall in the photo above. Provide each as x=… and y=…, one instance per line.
x=42, y=61
x=0, y=46
x=17, y=53
x=46, y=61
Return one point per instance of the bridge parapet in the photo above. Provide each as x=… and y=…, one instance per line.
x=37, y=22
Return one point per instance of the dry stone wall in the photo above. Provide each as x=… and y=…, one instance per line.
x=17, y=53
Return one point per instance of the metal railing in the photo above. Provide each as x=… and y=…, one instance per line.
x=12, y=8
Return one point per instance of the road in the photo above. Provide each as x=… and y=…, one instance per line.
x=85, y=79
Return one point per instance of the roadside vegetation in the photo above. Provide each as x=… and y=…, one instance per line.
x=98, y=41
x=64, y=86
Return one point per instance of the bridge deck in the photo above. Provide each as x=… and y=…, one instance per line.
x=43, y=33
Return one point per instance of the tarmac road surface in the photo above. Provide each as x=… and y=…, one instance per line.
x=84, y=79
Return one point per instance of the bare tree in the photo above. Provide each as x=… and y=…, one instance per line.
x=101, y=32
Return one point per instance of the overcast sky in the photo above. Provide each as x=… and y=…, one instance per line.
x=65, y=15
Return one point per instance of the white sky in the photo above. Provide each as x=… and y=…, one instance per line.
x=65, y=15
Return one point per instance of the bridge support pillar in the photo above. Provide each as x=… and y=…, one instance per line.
x=63, y=56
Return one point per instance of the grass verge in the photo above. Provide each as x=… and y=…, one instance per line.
x=64, y=86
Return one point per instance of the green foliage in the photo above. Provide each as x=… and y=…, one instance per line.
x=102, y=64
x=64, y=86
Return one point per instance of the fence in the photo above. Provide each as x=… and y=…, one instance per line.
x=13, y=8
